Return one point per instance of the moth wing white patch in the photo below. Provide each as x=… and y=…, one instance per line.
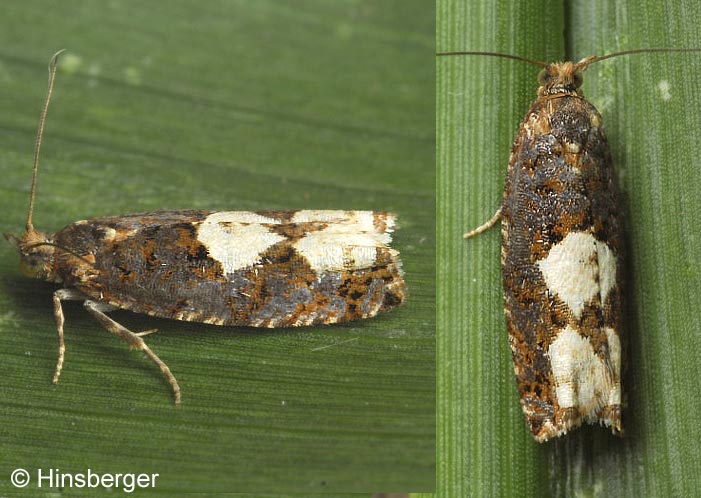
x=330, y=249
x=581, y=377
x=236, y=239
x=349, y=242
x=607, y=269
x=579, y=268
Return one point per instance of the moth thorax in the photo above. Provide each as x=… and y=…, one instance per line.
x=560, y=78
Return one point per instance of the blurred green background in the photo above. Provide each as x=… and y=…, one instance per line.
x=650, y=107
x=266, y=104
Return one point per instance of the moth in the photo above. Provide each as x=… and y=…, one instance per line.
x=232, y=268
x=562, y=256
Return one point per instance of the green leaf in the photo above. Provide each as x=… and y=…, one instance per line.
x=649, y=105
x=230, y=105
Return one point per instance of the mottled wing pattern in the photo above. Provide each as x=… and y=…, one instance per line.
x=562, y=266
x=261, y=269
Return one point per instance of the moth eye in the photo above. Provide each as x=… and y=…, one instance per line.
x=578, y=80
x=544, y=77
x=37, y=260
x=31, y=264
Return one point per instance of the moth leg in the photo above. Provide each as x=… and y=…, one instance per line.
x=134, y=340
x=146, y=332
x=485, y=226
x=62, y=295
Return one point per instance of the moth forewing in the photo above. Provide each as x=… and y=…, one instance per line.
x=562, y=262
x=259, y=269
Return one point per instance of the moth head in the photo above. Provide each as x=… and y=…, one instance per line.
x=562, y=78
x=36, y=253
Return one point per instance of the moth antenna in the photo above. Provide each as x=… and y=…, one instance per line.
x=496, y=54
x=597, y=58
x=40, y=133
x=583, y=64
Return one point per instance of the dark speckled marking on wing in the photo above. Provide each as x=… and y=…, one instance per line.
x=154, y=263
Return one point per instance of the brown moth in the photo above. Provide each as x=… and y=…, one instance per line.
x=233, y=268
x=562, y=257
